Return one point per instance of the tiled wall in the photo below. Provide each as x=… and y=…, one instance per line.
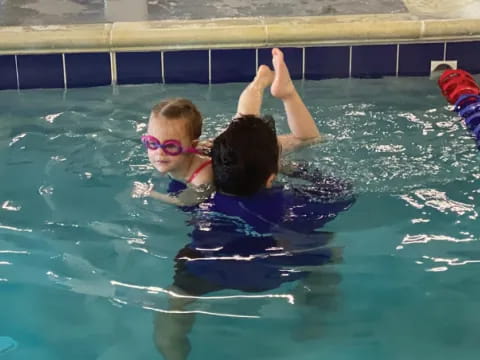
x=218, y=66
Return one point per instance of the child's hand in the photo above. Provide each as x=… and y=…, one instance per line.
x=205, y=146
x=141, y=190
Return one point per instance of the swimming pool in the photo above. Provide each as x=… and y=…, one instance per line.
x=81, y=263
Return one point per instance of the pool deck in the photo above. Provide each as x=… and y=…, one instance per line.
x=43, y=26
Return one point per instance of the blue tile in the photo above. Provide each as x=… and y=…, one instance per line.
x=88, y=69
x=8, y=72
x=373, y=61
x=414, y=59
x=327, y=62
x=293, y=58
x=40, y=71
x=139, y=67
x=189, y=66
x=467, y=54
x=233, y=65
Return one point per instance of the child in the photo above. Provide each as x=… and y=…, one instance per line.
x=172, y=137
x=179, y=120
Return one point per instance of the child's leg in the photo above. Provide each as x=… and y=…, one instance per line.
x=171, y=329
x=250, y=101
x=317, y=296
x=299, y=119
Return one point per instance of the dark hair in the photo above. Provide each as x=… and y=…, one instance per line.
x=245, y=155
x=180, y=108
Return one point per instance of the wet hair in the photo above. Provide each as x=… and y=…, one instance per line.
x=180, y=108
x=245, y=155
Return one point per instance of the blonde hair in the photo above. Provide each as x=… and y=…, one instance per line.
x=180, y=108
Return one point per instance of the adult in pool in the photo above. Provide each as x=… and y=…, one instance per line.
x=252, y=235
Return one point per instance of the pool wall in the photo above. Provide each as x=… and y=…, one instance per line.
x=229, y=50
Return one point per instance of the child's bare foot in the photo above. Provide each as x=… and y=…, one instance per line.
x=282, y=86
x=264, y=77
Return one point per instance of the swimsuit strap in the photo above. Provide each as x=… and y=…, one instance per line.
x=197, y=171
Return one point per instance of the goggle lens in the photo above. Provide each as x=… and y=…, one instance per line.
x=170, y=147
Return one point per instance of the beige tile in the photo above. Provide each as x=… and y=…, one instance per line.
x=54, y=38
x=246, y=32
x=234, y=33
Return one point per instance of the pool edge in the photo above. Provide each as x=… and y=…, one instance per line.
x=233, y=33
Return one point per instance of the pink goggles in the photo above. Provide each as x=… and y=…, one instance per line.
x=169, y=147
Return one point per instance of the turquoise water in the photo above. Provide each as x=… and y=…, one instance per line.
x=82, y=265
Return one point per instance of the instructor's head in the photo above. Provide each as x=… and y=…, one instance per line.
x=245, y=156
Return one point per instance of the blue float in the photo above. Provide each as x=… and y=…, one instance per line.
x=469, y=110
x=465, y=100
x=473, y=121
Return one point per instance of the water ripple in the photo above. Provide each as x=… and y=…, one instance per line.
x=438, y=200
x=426, y=238
x=13, y=228
x=10, y=206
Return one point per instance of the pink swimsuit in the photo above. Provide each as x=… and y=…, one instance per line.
x=197, y=171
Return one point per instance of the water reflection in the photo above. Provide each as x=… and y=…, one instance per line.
x=426, y=238
x=438, y=200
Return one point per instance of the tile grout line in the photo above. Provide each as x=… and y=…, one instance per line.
x=162, y=66
x=64, y=71
x=209, y=66
x=398, y=60
x=113, y=72
x=16, y=70
x=350, y=56
x=303, y=63
x=113, y=67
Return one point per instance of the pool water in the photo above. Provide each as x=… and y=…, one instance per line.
x=83, y=265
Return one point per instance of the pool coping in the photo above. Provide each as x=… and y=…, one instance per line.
x=233, y=33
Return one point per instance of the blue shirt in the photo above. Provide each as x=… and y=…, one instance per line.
x=254, y=243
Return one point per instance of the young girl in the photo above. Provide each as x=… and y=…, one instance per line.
x=171, y=142
x=175, y=126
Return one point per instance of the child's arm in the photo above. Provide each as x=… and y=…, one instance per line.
x=142, y=190
x=191, y=196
